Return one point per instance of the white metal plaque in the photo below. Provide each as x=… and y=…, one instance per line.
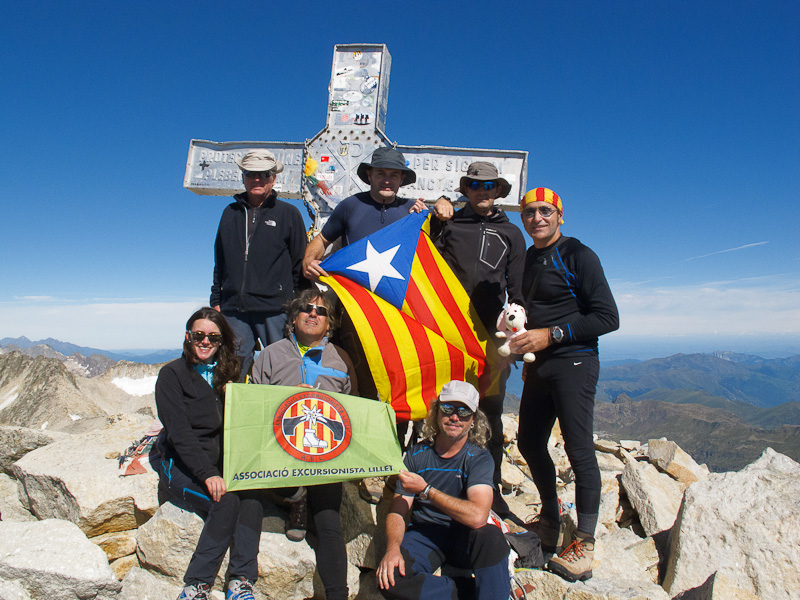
x=211, y=168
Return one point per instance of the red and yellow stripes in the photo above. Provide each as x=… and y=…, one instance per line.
x=435, y=338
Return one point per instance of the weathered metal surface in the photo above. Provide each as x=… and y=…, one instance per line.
x=211, y=168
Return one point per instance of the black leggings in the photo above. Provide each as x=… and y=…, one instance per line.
x=563, y=388
x=234, y=521
x=324, y=502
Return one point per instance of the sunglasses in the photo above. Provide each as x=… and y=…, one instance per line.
x=487, y=185
x=545, y=211
x=321, y=310
x=259, y=174
x=462, y=411
x=199, y=336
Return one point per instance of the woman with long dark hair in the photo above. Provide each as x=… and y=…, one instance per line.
x=189, y=399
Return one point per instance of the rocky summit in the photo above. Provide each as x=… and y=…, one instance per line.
x=72, y=527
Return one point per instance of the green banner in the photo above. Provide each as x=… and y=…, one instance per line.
x=279, y=436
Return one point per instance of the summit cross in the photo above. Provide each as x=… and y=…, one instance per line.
x=322, y=170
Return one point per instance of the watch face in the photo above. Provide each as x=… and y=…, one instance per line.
x=558, y=334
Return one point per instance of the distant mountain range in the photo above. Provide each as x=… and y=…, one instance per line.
x=739, y=378
x=65, y=348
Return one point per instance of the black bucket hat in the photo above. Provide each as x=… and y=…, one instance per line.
x=484, y=171
x=387, y=158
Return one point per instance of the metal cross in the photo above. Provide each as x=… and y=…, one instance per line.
x=322, y=170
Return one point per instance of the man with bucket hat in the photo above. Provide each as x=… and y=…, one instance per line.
x=487, y=253
x=258, y=257
x=365, y=213
x=447, y=490
x=569, y=305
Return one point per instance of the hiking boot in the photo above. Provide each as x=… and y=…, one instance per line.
x=575, y=563
x=371, y=489
x=201, y=591
x=298, y=520
x=240, y=588
x=550, y=534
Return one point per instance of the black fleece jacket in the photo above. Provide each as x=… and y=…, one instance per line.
x=258, y=255
x=191, y=412
x=487, y=255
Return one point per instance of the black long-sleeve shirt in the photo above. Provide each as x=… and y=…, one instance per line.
x=258, y=255
x=564, y=285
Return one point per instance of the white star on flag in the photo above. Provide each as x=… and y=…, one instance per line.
x=377, y=265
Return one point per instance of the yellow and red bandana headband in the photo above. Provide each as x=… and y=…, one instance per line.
x=542, y=194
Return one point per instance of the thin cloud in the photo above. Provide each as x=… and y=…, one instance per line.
x=735, y=308
x=35, y=298
x=728, y=250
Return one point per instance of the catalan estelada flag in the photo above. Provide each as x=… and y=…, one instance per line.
x=412, y=315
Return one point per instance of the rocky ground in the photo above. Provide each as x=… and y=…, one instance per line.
x=72, y=527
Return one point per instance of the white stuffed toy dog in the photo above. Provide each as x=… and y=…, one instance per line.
x=510, y=324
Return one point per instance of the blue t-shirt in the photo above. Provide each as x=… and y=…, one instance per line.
x=471, y=466
x=358, y=216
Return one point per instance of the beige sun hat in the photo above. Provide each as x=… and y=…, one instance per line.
x=260, y=160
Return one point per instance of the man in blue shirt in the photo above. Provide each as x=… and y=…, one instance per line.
x=448, y=489
x=365, y=213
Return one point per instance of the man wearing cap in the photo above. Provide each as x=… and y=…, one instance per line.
x=486, y=252
x=569, y=304
x=365, y=213
x=448, y=489
x=258, y=257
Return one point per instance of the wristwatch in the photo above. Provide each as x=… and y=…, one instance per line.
x=423, y=495
x=556, y=334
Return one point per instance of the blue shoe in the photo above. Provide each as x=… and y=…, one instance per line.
x=201, y=591
x=239, y=588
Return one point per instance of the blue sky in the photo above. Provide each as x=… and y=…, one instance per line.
x=670, y=129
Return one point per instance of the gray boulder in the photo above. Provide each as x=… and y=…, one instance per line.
x=73, y=479
x=671, y=459
x=53, y=560
x=10, y=506
x=139, y=584
x=16, y=442
x=746, y=523
x=655, y=496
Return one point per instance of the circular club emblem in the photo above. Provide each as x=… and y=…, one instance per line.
x=312, y=426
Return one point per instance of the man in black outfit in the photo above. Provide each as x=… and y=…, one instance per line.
x=485, y=251
x=569, y=304
x=258, y=257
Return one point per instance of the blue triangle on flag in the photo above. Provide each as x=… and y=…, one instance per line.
x=382, y=260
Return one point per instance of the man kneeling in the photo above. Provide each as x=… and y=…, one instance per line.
x=448, y=488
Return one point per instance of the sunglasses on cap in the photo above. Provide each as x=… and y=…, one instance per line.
x=199, y=336
x=321, y=310
x=530, y=211
x=259, y=174
x=462, y=411
x=487, y=185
